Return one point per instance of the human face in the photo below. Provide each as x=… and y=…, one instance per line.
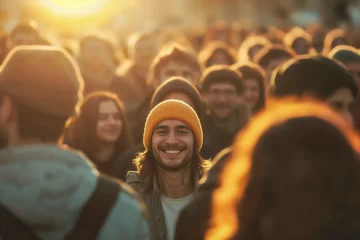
x=354, y=68
x=22, y=38
x=219, y=58
x=181, y=97
x=178, y=69
x=343, y=102
x=272, y=65
x=97, y=54
x=221, y=99
x=251, y=92
x=109, y=124
x=144, y=52
x=173, y=145
x=301, y=46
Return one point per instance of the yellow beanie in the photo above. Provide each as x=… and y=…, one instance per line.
x=177, y=110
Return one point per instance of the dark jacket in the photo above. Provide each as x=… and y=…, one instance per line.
x=216, y=138
x=126, y=162
x=194, y=219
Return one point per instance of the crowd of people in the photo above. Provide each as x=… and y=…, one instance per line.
x=231, y=133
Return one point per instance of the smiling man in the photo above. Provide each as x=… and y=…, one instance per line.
x=170, y=165
x=223, y=92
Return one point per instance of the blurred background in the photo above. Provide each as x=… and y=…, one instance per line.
x=121, y=16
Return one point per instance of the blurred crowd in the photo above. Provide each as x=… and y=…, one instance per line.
x=229, y=133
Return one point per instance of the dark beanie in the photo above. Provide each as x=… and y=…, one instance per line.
x=177, y=84
x=221, y=74
x=43, y=78
x=315, y=75
x=345, y=54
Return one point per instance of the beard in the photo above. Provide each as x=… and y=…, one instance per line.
x=186, y=161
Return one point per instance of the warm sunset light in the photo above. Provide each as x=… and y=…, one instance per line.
x=74, y=7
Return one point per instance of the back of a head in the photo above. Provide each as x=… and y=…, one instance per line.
x=317, y=76
x=303, y=181
x=345, y=54
x=272, y=52
x=250, y=46
x=296, y=34
x=176, y=53
x=334, y=38
x=208, y=54
x=45, y=84
x=178, y=85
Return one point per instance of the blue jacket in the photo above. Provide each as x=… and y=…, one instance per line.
x=46, y=187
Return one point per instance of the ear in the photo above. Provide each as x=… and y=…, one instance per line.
x=6, y=110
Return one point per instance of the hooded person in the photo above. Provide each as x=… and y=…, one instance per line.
x=350, y=57
x=176, y=88
x=318, y=77
x=49, y=189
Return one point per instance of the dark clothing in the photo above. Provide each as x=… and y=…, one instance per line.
x=216, y=138
x=194, y=219
x=139, y=119
x=126, y=162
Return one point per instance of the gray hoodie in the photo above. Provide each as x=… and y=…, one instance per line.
x=46, y=187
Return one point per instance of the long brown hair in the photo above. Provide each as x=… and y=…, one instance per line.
x=146, y=166
x=80, y=130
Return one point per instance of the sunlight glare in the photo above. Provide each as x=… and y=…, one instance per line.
x=74, y=7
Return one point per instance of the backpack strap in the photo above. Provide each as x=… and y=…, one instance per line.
x=96, y=210
x=12, y=227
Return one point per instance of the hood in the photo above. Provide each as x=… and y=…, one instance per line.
x=45, y=186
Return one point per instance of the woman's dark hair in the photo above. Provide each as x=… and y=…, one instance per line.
x=207, y=54
x=146, y=166
x=293, y=174
x=80, y=130
x=254, y=71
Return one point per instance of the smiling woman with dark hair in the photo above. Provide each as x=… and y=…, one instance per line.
x=99, y=130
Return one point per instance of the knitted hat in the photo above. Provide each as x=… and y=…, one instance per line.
x=176, y=110
x=43, y=78
x=221, y=74
x=315, y=75
x=177, y=84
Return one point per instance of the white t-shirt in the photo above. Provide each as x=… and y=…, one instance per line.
x=172, y=208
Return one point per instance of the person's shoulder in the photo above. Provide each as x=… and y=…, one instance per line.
x=133, y=177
